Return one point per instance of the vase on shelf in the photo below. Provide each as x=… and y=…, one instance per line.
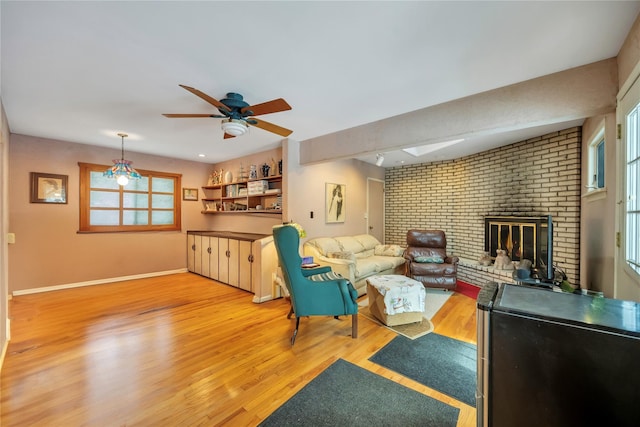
x=253, y=172
x=228, y=177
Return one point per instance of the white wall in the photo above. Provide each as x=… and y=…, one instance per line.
x=306, y=192
x=597, y=211
x=4, y=228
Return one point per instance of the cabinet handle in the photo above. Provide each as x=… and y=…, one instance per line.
x=209, y=251
x=193, y=247
x=228, y=253
x=250, y=257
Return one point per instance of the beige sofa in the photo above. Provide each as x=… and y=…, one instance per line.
x=356, y=257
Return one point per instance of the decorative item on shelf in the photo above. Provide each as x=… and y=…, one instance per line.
x=280, y=167
x=121, y=169
x=212, y=179
x=272, y=167
x=265, y=170
x=253, y=172
x=228, y=177
x=242, y=176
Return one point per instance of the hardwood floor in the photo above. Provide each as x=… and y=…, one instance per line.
x=180, y=350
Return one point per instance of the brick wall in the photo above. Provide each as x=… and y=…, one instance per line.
x=539, y=176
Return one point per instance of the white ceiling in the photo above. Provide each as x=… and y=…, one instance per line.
x=84, y=71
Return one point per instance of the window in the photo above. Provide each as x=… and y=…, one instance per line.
x=632, y=170
x=596, y=161
x=151, y=203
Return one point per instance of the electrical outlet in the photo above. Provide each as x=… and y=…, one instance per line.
x=11, y=237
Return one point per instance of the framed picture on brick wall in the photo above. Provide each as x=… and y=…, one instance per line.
x=335, y=197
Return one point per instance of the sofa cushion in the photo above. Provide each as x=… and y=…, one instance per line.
x=348, y=243
x=388, y=250
x=342, y=255
x=366, y=266
x=325, y=245
x=386, y=262
x=365, y=254
x=367, y=241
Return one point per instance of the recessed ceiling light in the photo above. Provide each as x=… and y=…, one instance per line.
x=201, y=155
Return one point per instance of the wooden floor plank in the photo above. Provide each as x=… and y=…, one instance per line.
x=181, y=350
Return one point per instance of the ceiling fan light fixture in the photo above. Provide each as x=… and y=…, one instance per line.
x=234, y=127
x=122, y=170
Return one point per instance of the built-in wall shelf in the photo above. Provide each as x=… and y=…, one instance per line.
x=261, y=196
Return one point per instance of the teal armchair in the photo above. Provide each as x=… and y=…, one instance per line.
x=316, y=291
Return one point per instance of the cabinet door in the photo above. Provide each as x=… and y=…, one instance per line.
x=197, y=253
x=244, y=266
x=214, y=253
x=206, y=255
x=191, y=250
x=223, y=260
x=234, y=262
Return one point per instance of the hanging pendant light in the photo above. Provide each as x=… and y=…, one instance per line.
x=122, y=169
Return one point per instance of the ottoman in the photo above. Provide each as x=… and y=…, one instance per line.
x=395, y=300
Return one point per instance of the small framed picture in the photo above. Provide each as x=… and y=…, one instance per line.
x=335, y=197
x=189, y=194
x=48, y=188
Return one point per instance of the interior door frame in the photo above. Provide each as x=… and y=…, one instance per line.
x=367, y=222
x=622, y=272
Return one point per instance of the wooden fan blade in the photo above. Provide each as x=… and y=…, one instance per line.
x=179, y=116
x=227, y=136
x=271, y=127
x=206, y=97
x=273, y=106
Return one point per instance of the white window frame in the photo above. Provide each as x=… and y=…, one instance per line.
x=632, y=193
x=593, y=170
x=626, y=279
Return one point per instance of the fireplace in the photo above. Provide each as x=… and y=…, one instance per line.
x=520, y=237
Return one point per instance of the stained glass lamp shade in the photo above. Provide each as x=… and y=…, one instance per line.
x=122, y=169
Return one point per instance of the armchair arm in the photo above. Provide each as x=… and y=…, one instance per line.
x=330, y=297
x=451, y=259
x=306, y=272
x=345, y=267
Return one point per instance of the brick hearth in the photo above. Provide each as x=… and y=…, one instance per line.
x=471, y=272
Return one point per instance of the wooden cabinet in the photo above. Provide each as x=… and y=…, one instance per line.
x=194, y=255
x=210, y=247
x=243, y=260
x=258, y=196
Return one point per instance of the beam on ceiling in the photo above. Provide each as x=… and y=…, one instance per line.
x=572, y=94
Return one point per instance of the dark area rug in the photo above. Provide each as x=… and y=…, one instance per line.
x=441, y=363
x=346, y=395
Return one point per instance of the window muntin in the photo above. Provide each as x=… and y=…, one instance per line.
x=151, y=203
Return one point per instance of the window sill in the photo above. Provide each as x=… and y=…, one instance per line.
x=593, y=195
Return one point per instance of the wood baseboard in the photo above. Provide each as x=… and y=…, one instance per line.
x=97, y=282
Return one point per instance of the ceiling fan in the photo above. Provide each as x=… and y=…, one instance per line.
x=237, y=114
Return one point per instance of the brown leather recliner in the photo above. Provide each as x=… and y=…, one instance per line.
x=429, y=247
